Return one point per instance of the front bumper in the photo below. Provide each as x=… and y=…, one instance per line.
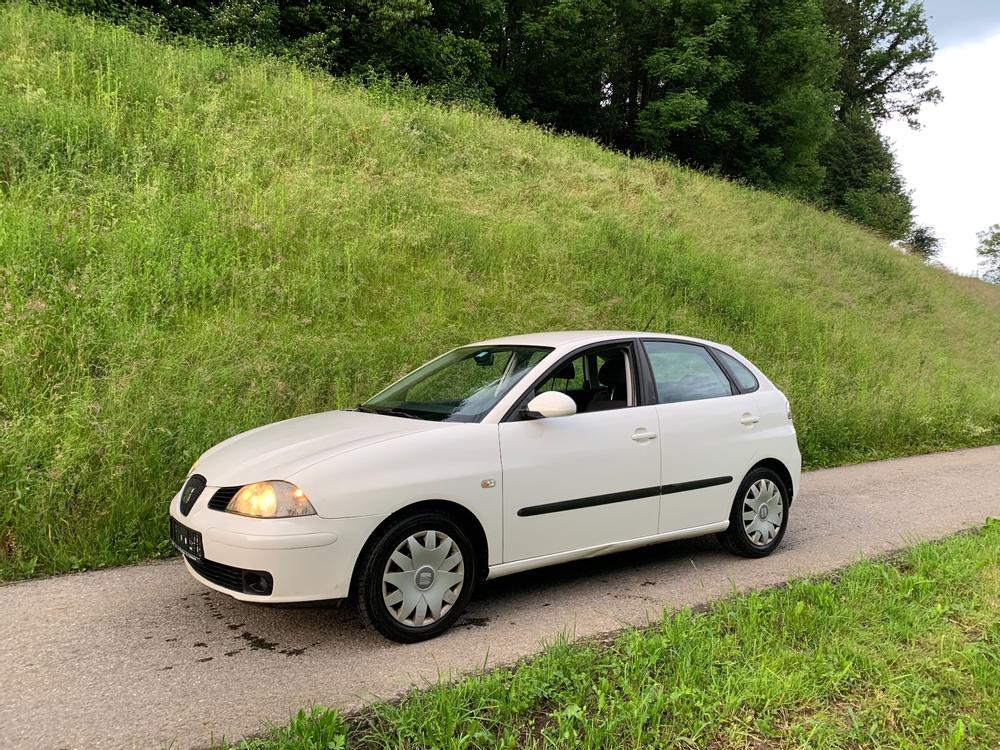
x=307, y=558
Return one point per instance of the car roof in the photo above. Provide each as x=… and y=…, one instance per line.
x=558, y=339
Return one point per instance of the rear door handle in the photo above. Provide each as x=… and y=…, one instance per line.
x=643, y=436
x=749, y=420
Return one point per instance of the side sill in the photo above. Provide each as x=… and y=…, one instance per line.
x=517, y=566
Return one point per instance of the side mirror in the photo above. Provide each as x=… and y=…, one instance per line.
x=550, y=404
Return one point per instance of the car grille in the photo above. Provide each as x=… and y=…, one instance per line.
x=190, y=492
x=256, y=582
x=222, y=496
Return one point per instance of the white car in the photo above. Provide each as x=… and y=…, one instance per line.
x=494, y=458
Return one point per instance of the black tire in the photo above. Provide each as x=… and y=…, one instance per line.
x=736, y=538
x=375, y=563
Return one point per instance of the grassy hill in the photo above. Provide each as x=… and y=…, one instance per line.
x=192, y=244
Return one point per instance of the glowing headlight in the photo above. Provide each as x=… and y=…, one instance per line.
x=271, y=500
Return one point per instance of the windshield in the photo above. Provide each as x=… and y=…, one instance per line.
x=461, y=386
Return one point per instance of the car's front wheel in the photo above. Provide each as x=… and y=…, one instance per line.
x=416, y=578
x=759, y=515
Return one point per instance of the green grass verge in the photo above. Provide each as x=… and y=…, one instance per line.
x=193, y=243
x=896, y=654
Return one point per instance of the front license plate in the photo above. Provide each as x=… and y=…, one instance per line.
x=188, y=541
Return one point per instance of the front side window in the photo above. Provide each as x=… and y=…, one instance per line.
x=685, y=372
x=461, y=386
x=597, y=380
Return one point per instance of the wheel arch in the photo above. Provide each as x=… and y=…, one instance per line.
x=781, y=470
x=458, y=512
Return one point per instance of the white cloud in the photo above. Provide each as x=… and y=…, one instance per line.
x=952, y=164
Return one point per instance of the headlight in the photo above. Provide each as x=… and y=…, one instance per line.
x=271, y=500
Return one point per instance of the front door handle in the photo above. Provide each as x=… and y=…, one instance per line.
x=643, y=436
x=749, y=420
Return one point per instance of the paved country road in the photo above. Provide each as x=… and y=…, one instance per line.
x=145, y=657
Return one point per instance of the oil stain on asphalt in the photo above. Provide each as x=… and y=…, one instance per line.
x=251, y=642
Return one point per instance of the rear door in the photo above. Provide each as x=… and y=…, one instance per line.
x=585, y=480
x=707, y=434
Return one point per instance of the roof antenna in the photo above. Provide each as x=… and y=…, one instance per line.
x=648, y=322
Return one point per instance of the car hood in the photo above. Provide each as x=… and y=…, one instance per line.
x=278, y=450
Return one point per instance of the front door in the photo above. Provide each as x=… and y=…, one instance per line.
x=585, y=480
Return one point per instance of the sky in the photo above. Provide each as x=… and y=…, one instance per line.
x=951, y=164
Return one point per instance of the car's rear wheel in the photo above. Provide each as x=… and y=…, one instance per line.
x=416, y=578
x=759, y=515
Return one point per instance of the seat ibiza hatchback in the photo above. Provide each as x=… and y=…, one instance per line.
x=494, y=458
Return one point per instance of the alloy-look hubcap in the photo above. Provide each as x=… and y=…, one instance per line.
x=763, y=511
x=423, y=578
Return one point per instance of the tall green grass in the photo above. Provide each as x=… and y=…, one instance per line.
x=193, y=243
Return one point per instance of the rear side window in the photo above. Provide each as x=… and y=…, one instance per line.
x=743, y=377
x=685, y=372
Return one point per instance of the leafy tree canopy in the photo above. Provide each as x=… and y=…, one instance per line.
x=862, y=181
x=989, y=253
x=923, y=242
x=885, y=47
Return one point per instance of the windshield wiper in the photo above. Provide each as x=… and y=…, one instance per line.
x=387, y=412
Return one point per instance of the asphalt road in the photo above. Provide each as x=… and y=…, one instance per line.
x=145, y=657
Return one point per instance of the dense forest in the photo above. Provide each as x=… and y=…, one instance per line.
x=786, y=95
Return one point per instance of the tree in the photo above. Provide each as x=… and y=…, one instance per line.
x=552, y=63
x=742, y=88
x=444, y=46
x=989, y=253
x=923, y=242
x=885, y=47
x=862, y=181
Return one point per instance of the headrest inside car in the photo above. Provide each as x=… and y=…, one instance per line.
x=612, y=373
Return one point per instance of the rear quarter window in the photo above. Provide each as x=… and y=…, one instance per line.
x=745, y=379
